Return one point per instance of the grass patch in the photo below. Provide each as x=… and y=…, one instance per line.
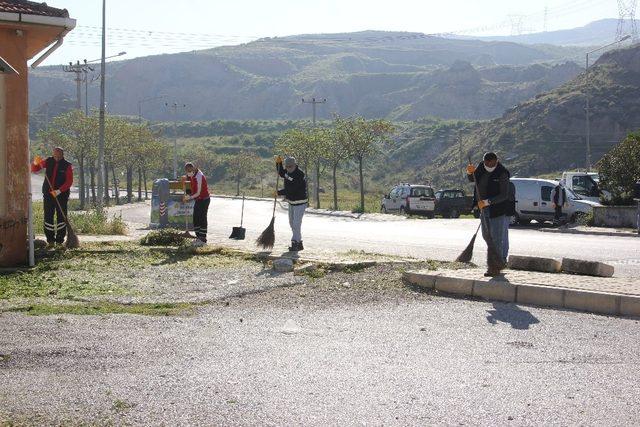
x=108, y=269
x=101, y=308
x=83, y=222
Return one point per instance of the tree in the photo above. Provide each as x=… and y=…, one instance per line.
x=620, y=169
x=364, y=138
x=76, y=134
x=241, y=165
x=335, y=151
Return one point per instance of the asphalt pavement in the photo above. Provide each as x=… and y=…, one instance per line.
x=440, y=239
x=307, y=356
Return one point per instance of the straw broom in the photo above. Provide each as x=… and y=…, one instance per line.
x=72, y=239
x=268, y=237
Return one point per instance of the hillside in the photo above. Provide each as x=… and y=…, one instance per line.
x=547, y=133
x=596, y=33
x=375, y=74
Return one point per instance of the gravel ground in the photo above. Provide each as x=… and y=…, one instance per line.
x=344, y=349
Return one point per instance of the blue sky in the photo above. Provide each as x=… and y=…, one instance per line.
x=147, y=27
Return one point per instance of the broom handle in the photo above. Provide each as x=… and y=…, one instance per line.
x=242, y=211
x=275, y=199
x=56, y=199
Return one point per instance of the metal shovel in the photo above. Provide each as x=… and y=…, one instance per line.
x=238, y=233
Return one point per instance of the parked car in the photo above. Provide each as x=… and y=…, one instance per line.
x=409, y=199
x=533, y=201
x=453, y=203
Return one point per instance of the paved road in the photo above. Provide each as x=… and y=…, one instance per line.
x=440, y=239
x=310, y=357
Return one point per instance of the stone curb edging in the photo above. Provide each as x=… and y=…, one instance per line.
x=523, y=293
x=589, y=233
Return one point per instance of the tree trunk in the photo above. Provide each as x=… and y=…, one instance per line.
x=92, y=172
x=361, y=184
x=335, y=187
x=144, y=179
x=318, y=184
x=81, y=183
x=107, y=200
x=139, y=184
x=237, y=185
x=129, y=183
x=116, y=190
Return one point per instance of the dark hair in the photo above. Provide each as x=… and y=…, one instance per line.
x=490, y=156
x=189, y=165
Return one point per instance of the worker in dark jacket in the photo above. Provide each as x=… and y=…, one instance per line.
x=493, y=199
x=59, y=173
x=558, y=201
x=295, y=193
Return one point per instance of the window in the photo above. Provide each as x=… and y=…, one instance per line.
x=422, y=192
x=394, y=192
x=546, y=193
x=585, y=185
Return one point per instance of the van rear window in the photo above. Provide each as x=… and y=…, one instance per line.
x=421, y=192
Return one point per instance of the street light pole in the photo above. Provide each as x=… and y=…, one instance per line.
x=175, y=107
x=101, y=116
x=587, y=100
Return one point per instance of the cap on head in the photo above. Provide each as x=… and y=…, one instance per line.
x=189, y=165
x=489, y=156
x=289, y=161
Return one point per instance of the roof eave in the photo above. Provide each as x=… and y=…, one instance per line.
x=67, y=23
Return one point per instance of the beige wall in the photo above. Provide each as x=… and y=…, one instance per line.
x=3, y=152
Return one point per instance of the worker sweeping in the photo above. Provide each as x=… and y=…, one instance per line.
x=200, y=194
x=55, y=192
x=492, y=196
x=295, y=193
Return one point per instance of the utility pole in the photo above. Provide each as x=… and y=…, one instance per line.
x=101, y=116
x=314, y=102
x=78, y=69
x=174, y=106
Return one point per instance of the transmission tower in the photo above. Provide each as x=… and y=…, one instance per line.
x=517, y=22
x=627, y=19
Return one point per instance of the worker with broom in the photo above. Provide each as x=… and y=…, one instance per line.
x=55, y=190
x=492, y=195
x=295, y=193
x=200, y=194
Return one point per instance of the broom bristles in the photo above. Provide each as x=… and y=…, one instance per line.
x=268, y=238
x=72, y=238
x=467, y=254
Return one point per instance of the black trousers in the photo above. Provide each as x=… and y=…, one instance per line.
x=55, y=229
x=200, y=209
x=558, y=214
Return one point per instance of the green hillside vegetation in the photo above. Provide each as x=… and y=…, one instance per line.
x=393, y=75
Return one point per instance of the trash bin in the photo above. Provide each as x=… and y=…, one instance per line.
x=167, y=208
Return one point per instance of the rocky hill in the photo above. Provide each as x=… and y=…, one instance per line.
x=547, y=133
x=375, y=74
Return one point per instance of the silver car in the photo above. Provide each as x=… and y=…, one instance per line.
x=409, y=199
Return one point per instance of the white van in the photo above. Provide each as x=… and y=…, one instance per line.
x=533, y=201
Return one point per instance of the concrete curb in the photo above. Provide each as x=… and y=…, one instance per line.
x=589, y=233
x=530, y=294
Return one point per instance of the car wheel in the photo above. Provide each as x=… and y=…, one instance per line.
x=476, y=213
x=430, y=215
x=454, y=213
x=514, y=220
